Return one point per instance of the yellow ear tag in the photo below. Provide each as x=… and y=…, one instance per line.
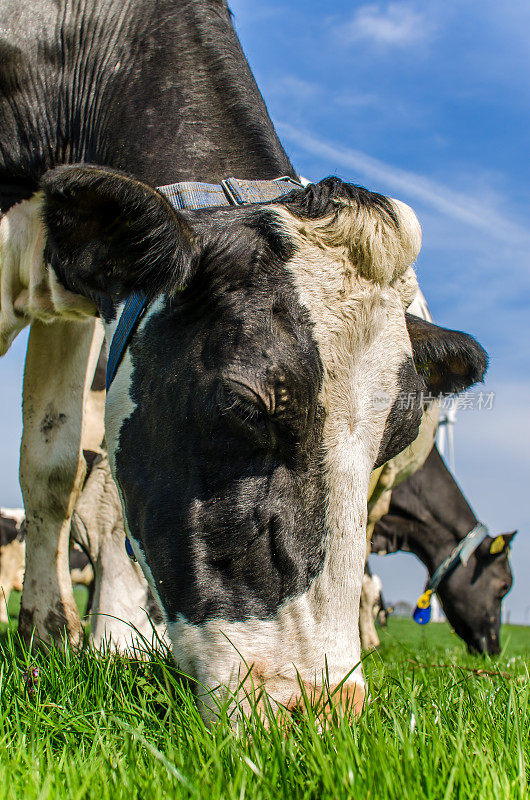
x=497, y=545
x=424, y=600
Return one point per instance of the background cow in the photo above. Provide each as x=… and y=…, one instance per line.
x=12, y=555
x=262, y=386
x=428, y=516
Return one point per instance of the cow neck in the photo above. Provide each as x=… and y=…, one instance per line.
x=224, y=126
x=431, y=541
x=443, y=518
x=210, y=120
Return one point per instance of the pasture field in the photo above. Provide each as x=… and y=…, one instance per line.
x=440, y=724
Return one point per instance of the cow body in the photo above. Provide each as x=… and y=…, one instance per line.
x=428, y=516
x=246, y=418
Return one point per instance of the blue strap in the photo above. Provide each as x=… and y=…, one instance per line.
x=240, y=191
x=194, y=195
x=461, y=552
x=232, y=191
x=133, y=311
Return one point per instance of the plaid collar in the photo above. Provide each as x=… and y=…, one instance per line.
x=232, y=191
x=459, y=554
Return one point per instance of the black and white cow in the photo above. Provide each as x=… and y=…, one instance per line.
x=246, y=416
x=428, y=516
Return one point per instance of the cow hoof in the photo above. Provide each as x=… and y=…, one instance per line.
x=61, y=625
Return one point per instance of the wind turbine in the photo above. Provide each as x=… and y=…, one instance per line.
x=445, y=435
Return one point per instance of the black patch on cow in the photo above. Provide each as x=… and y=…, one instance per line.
x=403, y=421
x=228, y=439
x=14, y=190
x=84, y=82
x=109, y=233
x=51, y=422
x=9, y=531
x=266, y=223
x=449, y=361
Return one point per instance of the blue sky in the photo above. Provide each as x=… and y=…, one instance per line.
x=429, y=102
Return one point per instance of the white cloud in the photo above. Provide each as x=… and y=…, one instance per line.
x=357, y=99
x=473, y=211
x=293, y=87
x=396, y=24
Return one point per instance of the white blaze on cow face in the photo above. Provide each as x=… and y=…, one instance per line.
x=29, y=289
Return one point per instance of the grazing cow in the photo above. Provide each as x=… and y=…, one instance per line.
x=262, y=385
x=428, y=516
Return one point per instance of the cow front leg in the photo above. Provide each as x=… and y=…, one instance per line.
x=369, y=638
x=124, y=616
x=60, y=363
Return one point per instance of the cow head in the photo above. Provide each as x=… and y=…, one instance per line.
x=258, y=393
x=472, y=596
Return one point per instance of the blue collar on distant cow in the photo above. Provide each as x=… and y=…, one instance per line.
x=460, y=553
x=232, y=191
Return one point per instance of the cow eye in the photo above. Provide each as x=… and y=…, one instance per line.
x=246, y=410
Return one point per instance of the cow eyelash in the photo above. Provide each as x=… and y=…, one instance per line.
x=243, y=407
x=247, y=411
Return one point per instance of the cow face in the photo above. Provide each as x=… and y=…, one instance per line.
x=472, y=596
x=258, y=393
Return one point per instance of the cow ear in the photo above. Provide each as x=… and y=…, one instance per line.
x=495, y=545
x=449, y=361
x=109, y=232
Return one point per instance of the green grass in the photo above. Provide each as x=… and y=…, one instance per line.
x=440, y=724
